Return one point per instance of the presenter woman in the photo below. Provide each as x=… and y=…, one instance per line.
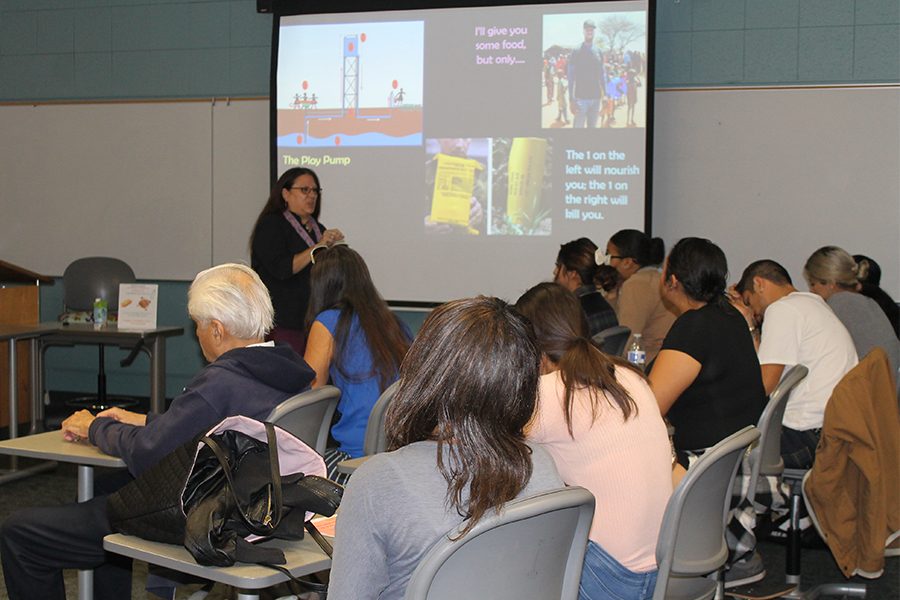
x=639, y=303
x=456, y=434
x=285, y=233
x=598, y=419
x=355, y=339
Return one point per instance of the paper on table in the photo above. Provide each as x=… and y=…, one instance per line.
x=325, y=525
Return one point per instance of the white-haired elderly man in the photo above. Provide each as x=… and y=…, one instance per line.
x=245, y=375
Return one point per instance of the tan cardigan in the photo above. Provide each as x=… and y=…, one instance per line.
x=639, y=307
x=853, y=485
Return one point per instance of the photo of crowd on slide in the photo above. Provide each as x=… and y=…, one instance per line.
x=520, y=191
x=354, y=84
x=594, y=70
x=456, y=185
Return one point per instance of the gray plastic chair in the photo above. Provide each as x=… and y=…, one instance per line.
x=612, y=340
x=691, y=540
x=375, y=441
x=533, y=549
x=85, y=280
x=95, y=277
x=308, y=415
x=765, y=456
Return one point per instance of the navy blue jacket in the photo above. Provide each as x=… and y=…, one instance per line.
x=243, y=381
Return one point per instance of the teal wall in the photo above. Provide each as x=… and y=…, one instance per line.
x=96, y=49
x=121, y=49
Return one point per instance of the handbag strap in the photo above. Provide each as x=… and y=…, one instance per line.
x=274, y=513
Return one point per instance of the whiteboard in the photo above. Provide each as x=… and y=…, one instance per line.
x=137, y=181
x=175, y=187
x=778, y=173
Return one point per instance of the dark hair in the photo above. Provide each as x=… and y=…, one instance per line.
x=340, y=279
x=470, y=381
x=701, y=268
x=276, y=204
x=639, y=246
x=607, y=278
x=767, y=269
x=578, y=256
x=561, y=329
x=869, y=270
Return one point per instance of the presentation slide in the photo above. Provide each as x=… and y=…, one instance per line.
x=458, y=148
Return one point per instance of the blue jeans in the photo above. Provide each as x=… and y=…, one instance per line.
x=603, y=578
x=587, y=110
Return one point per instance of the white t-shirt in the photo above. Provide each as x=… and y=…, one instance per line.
x=800, y=329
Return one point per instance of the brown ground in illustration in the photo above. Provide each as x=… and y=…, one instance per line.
x=399, y=122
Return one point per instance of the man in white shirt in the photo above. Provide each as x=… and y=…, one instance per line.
x=797, y=328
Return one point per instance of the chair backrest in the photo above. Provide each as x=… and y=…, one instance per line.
x=765, y=456
x=691, y=540
x=532, y=549
x=95, y=277
x=612, y=340
x=308, y=415
x=375, y=440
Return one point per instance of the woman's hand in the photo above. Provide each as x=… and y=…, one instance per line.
x=332, y=236
x=124, y=416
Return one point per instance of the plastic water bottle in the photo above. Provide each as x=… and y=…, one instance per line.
x=101, y=309
x=636, y=354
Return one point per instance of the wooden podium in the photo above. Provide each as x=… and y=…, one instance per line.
x=19, y=305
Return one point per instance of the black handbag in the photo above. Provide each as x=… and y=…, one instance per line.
x=240, y=482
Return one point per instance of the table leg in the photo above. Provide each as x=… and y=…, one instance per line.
x=13, y=391
x=158, y=374
x=85, y=492
x=37, y=386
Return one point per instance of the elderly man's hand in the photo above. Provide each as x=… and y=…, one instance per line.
x=76, y=427
x=124, y=416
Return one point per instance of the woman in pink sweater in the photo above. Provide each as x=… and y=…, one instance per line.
x=599, y=420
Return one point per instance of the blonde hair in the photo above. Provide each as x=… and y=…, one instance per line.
x=830, y=264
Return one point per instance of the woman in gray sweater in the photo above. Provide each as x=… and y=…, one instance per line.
x=455, y=430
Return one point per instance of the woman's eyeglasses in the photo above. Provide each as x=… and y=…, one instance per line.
x=307, y=191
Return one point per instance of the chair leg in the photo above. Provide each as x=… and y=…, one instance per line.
x=720, y=583
x=248, y=595
x=792, y=553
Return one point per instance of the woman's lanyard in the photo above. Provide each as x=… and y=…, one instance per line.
x=301, y=230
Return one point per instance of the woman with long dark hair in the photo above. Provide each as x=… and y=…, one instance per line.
x=354, y=339
x=577, y=271
x=600, y=422
x=455, y=432
x=639, y=305
x=706, y=378
x=281, y=244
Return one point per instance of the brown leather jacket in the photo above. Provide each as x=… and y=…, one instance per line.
x=854, y=485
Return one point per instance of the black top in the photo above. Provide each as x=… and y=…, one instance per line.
x=600, y=315
x=728, y=393
x=274, y=245
x=886, y=303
